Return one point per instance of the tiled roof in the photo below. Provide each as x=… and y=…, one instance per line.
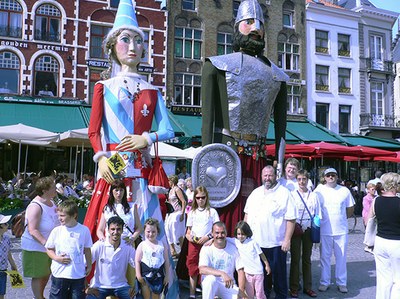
x=349, y=4
x=324, y=2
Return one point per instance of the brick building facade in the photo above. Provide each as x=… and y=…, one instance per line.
x=53, y=48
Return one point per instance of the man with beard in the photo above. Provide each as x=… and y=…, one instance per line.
x=271, y=213
x=217, y=265
x=239, y=93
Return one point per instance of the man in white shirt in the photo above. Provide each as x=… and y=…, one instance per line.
x=112, y=258
x=271, y=213
x=288, y=180
x=217, y=264
x=337, y=204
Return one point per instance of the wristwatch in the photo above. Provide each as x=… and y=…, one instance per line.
x=210, y=236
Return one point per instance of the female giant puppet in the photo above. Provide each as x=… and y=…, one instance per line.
x=122, y=112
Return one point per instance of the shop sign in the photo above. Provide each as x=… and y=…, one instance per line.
x=39, y=100
x=186, y=110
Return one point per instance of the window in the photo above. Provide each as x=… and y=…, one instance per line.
x=288, y=19
x=146, y=44
x=46, y=76
x=224, y=43
x=344, y=80
x=188, y=43
x=376, y=52
x=321, y=41
x=288, y=56
x=10, y=18
x=236, y=4
x=377, y=98
x=322, y=114
x=9, y=72
x=188, y=4
x=97, y=34
x=47, y=23
x=293, y=100
x=288, y=13
x=375, y=43
x=344, y=118
x=322, y=78
x=344, y=45
x=187, y=90
x=114, y=3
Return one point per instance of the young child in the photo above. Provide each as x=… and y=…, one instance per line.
x=250, y=253
x=5, y=254
x=367, y=202
x=69, y=247
x=152, y=261
x=199, y=226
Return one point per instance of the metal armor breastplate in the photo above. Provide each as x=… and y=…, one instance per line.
x=252, y=87
x=251, y=96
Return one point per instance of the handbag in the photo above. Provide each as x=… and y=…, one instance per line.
x=298, y=229
x=370, y=232
x=158, y=182
x=315, y=223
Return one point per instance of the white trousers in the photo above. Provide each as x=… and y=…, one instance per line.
x=387, y=261
x=337, y=245
x=214, y=286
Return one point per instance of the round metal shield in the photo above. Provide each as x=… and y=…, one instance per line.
x=217, y=167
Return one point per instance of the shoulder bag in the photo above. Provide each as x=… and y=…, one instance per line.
x=315, y=228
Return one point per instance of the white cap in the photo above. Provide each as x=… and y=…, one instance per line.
x=4, y=219
x=330, y=170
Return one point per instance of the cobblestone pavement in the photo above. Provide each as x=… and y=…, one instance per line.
x=360, y=271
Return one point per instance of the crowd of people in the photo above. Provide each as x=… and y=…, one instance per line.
x=55, y=244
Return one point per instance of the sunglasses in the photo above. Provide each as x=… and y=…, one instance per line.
x=200, y=197
x=330, y=175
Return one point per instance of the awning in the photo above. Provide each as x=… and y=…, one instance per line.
x=54, y=118
x=189, y=125
x=372, y=142
x=305, y=131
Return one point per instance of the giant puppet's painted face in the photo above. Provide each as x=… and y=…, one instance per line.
x=129, y=49
x=249, y=37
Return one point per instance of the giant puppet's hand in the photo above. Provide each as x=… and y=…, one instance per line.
x=105, y=171
x=132, y=142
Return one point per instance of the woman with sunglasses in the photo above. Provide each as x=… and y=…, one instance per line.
x=199, y=225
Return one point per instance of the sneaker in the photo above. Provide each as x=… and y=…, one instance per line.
x=342, y=289
x=322, y=288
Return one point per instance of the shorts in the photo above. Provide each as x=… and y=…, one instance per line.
x=35, y=264
x=3, y=282
x=192, y=259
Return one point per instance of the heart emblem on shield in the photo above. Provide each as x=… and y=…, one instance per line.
x=216, y=174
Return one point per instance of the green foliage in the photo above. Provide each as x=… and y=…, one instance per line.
x=10, y=204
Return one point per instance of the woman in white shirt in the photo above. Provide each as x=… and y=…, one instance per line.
x=117, y=205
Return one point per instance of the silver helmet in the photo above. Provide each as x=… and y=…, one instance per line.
x=249, y=9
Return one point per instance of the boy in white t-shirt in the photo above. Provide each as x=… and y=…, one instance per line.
x=69, y=248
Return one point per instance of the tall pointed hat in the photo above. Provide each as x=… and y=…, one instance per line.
x=126, y=18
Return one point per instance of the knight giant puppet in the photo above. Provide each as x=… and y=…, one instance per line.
x=240, y=91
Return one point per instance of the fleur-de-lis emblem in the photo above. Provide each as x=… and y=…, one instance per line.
x=145, y=112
